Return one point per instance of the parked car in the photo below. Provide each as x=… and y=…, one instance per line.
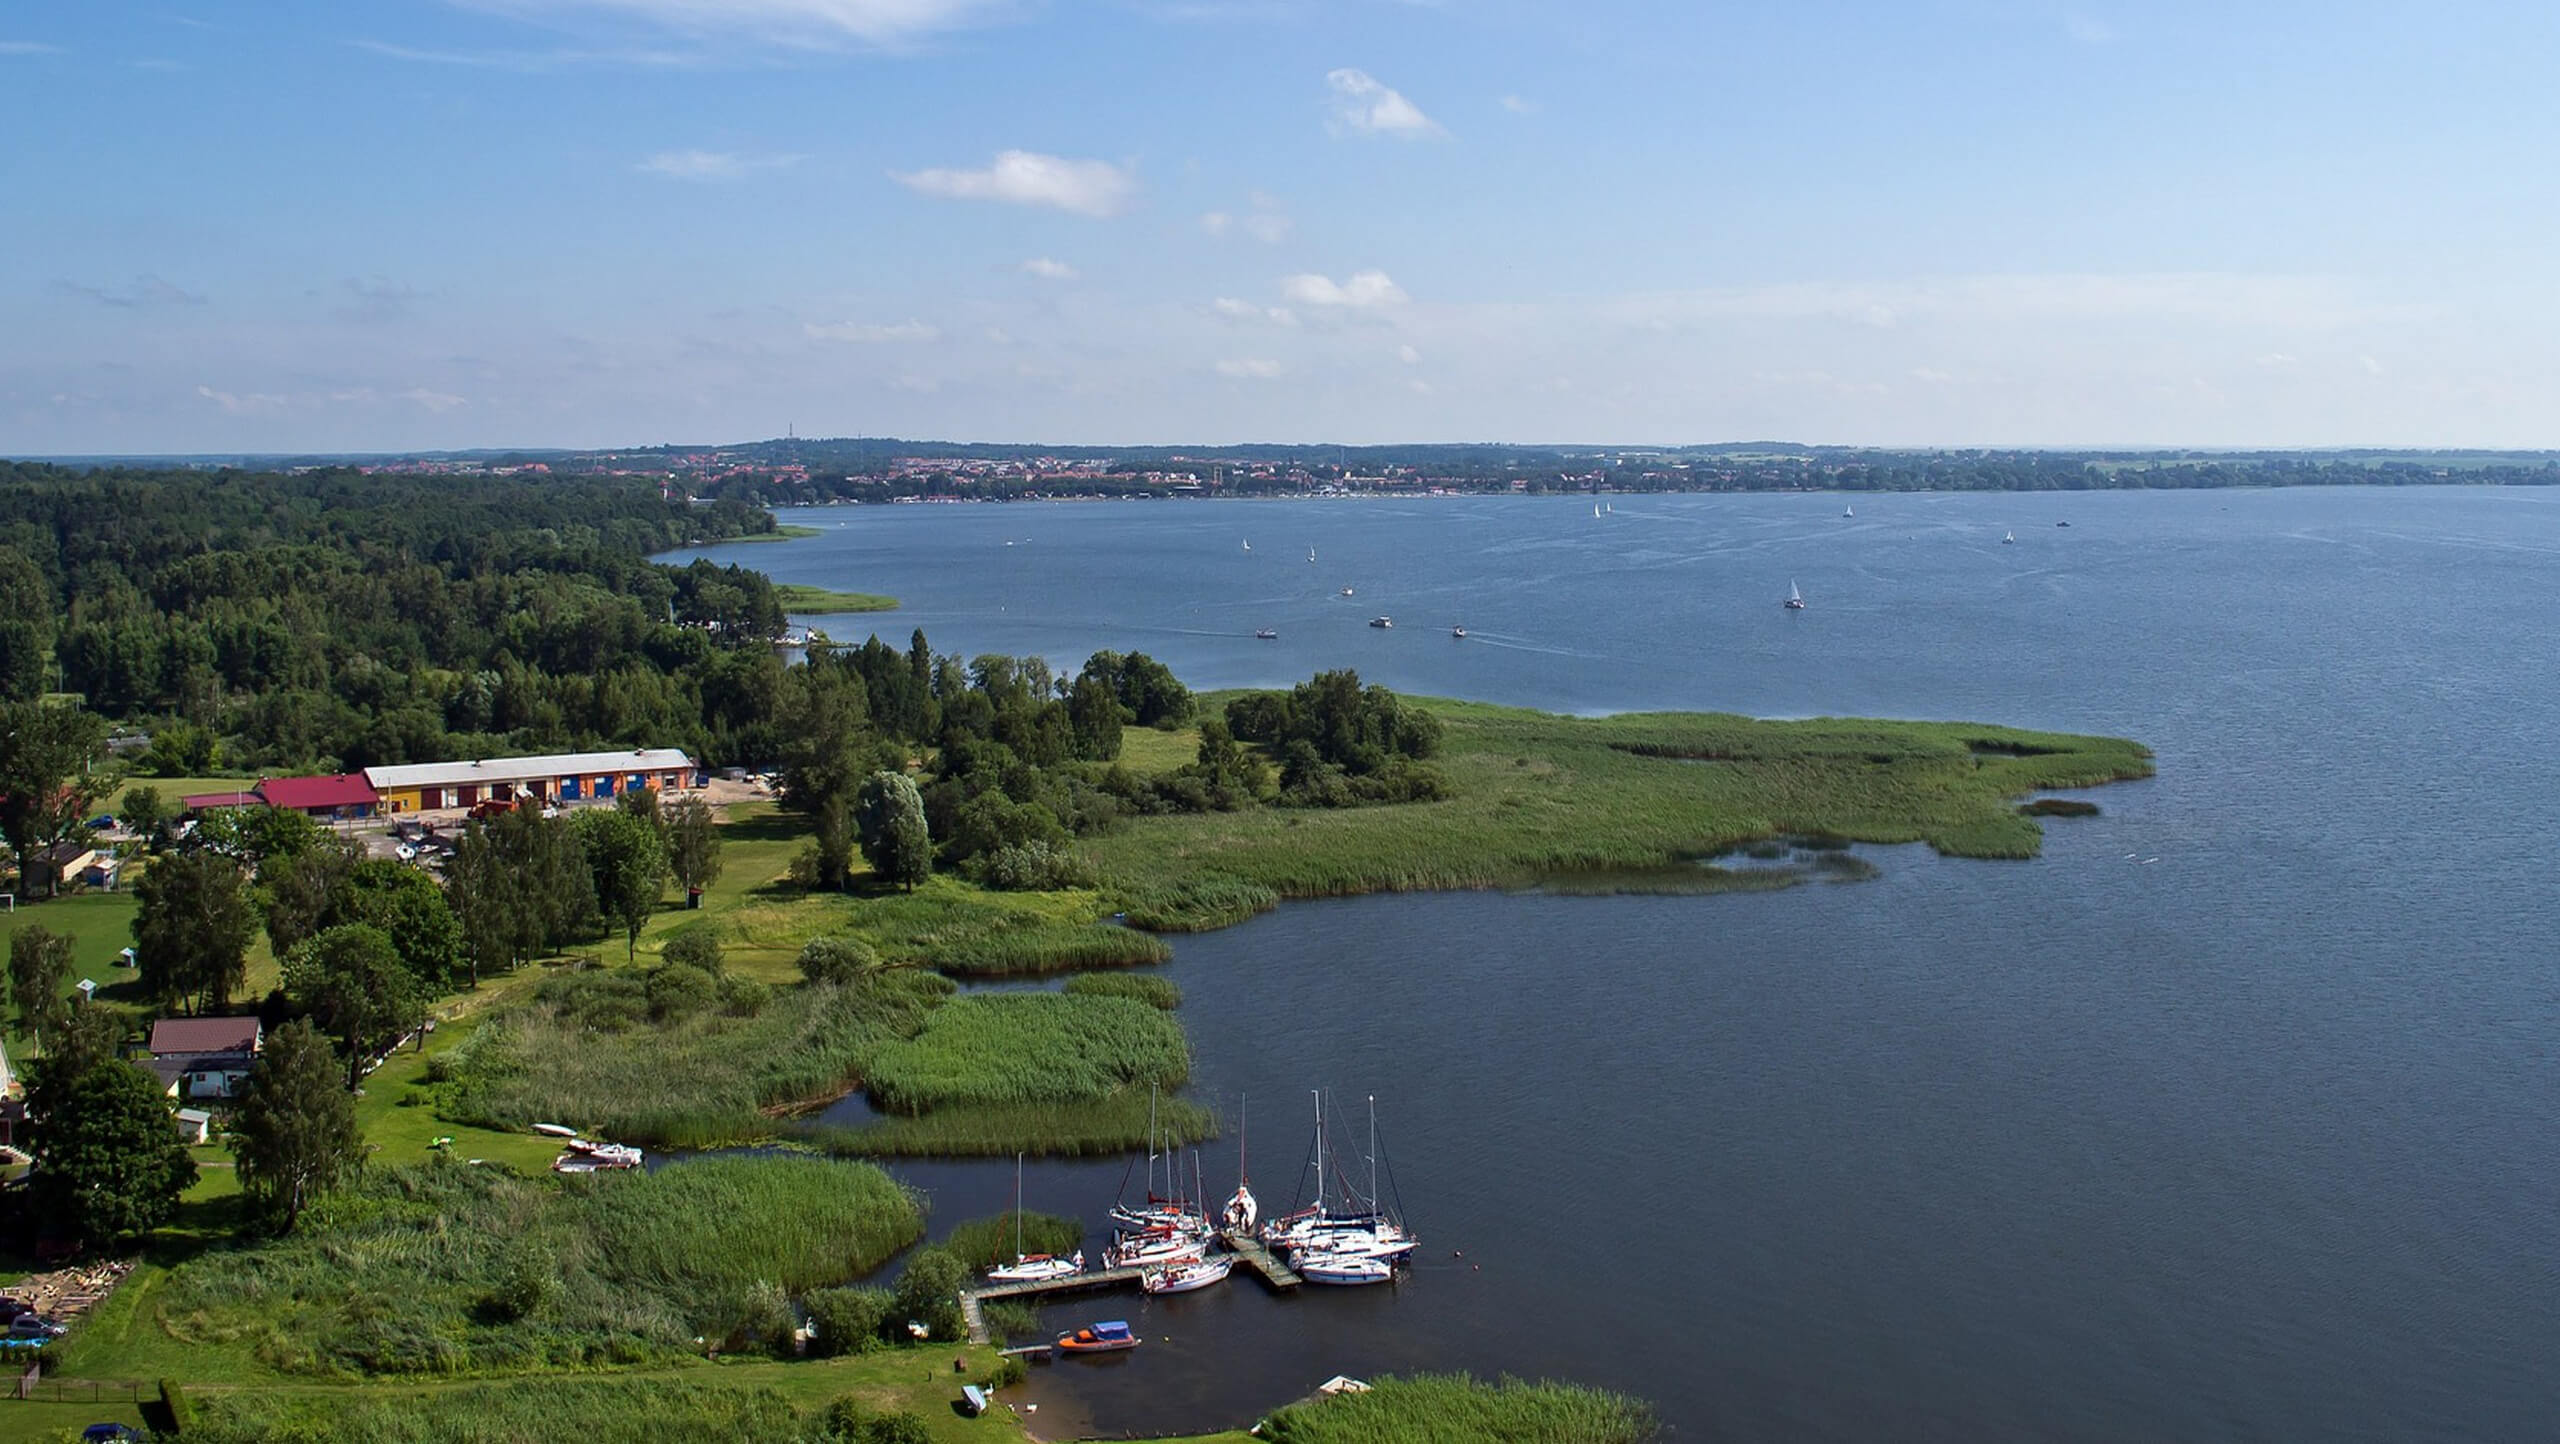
x=103, y=822
x=11, y=1308
x=109, y=1434
x=34, y=1326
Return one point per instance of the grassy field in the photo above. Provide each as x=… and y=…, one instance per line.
x=800, y=599
x=1028, y=1048
x=1455, y=1409
x=1538, y=794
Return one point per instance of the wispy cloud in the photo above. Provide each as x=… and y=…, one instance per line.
x=873, y=333
x=1362, y=105
x=1029, y=178
x=1519, y=105
x=1048, y=270
x=244, y=403
x=2089, y=30
x=1250, y=369
x=146, y=290
x=713, y=165
x=1231, y=309
x=1364, y=290
x=28, y=47
x=535, y=62
x=792, y=23
x=1267, y=221
x=377, y=299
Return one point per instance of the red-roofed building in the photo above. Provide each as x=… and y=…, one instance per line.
x=204, y=1057
x=344, y=795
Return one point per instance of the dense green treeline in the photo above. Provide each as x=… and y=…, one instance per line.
x=332, y=618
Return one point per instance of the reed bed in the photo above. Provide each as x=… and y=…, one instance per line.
x=1152, y=991
x=1456, y=1409
x=985, y=1242
x=602, y=1409
x=1102, y=1126
x=1028, y=1048
x=702, y=1082
x=1196, y=905
x=450, y=1269
x=1050, y=948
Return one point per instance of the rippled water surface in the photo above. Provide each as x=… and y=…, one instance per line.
x=2231, y=1117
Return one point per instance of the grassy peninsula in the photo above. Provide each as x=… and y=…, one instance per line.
x=800, y=599
x=1649, y=797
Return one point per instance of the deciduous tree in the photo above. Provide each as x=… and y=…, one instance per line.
x=895, y=838
x=109, y=1165
x=293, y=1131
x=693, y=845
x=40, y=967
x=351, y=981
x=629, y=865
x=46, y=787
x=191, y=935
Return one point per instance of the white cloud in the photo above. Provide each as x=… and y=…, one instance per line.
x=1249, y=370
x=1028, y=178
x=28, y=47
x=248, y=404
x=438, y=402
x=2277, y=358
x=1267, y=221
x=1217, y=223
x=2089, y=30
x=1048, y=270
x=1364, y=290
x=2371, y=366
x=871, y=332
x=1235, y=310
x=1931, y=375
x=1362, y=105
x=712, y=165
x=1519, y=106
x=1408, y=356
x=1268, y=227
x=795, y=23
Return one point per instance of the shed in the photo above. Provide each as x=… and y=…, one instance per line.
x=195, y=1126
x=341, y=795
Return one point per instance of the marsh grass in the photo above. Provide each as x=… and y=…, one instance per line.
x=447, y=1268
x=1028, y=1048
x=1537, y=795
x=1050, y=948
x=2058, y=807
x=1109, y=1125
x=1196, y=904
x=562, y=1409
x=1456, y=1409
x=801, y=599
x=1153, y=991
x=985, y=1242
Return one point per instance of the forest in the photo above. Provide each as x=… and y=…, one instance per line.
x=328, y=619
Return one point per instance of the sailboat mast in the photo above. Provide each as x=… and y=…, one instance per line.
x=1319, y=1152
x=1373, y=1153
x=1017, y=1208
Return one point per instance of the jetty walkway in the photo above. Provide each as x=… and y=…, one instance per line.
x=1248, y=1250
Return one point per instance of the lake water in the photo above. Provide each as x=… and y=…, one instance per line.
x=2233, y=1116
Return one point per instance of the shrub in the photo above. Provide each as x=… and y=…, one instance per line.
x=836, y=960
x=743, y=997
x=1012, y=1371
x=697, y=946
x=1011, y=1319
x=531, y=1280
x=929, y=1294
x=846, y=1320
x=173, y=1399
x=680, y=990
x=1034, y=866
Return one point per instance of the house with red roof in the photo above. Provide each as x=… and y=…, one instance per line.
x=334, y=798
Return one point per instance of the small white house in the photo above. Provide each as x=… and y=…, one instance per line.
x=195, y=1126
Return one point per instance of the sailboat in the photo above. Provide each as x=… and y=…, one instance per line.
x=1182, y=1278
x=1241, y=1210
x=1595, y=508
x=1360, y=1247
x=1311, y=556
x=1795, y=598
x=1030, y=1267
x=1248, y=546
x=1848, y=511
x=2010, y=539
x=1609, y=508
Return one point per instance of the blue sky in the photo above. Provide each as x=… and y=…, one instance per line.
x=396, y=224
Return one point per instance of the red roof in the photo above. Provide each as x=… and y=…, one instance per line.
x=346, y=789
x=204, y=1035
x=206, y=801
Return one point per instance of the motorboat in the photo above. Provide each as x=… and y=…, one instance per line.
x=1103, y=1338
x=1163, y=1248
x=1266, y=634
x=1458, y=632
x=1346, y=591
x=1343, y=1271
x=1382, y=622
x=586, y=1155
x=1184, y=1277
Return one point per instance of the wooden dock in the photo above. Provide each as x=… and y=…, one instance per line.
x=1250, y=1252
x=973, y=1300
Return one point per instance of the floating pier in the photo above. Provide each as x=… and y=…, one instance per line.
x=972, y=1300
x=1250, y=1252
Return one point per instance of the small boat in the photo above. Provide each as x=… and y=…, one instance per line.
x=1104, y=1338
x=1152, y=1249
x=1311, y=555
x=1848, y=511
x=1595, y=508
x=1183, y=1278
x=1036, y=1268
x=1343, y=1271
x=585, y=1155
x=1459, y=632
x=1609, y=509
x=1382, y=622
x=1346, y=591
x=555, y=1130
x=1795, y=599
x=2062, y=523
x=1248, y=546
x=1266, y=634
x=2010, y=539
